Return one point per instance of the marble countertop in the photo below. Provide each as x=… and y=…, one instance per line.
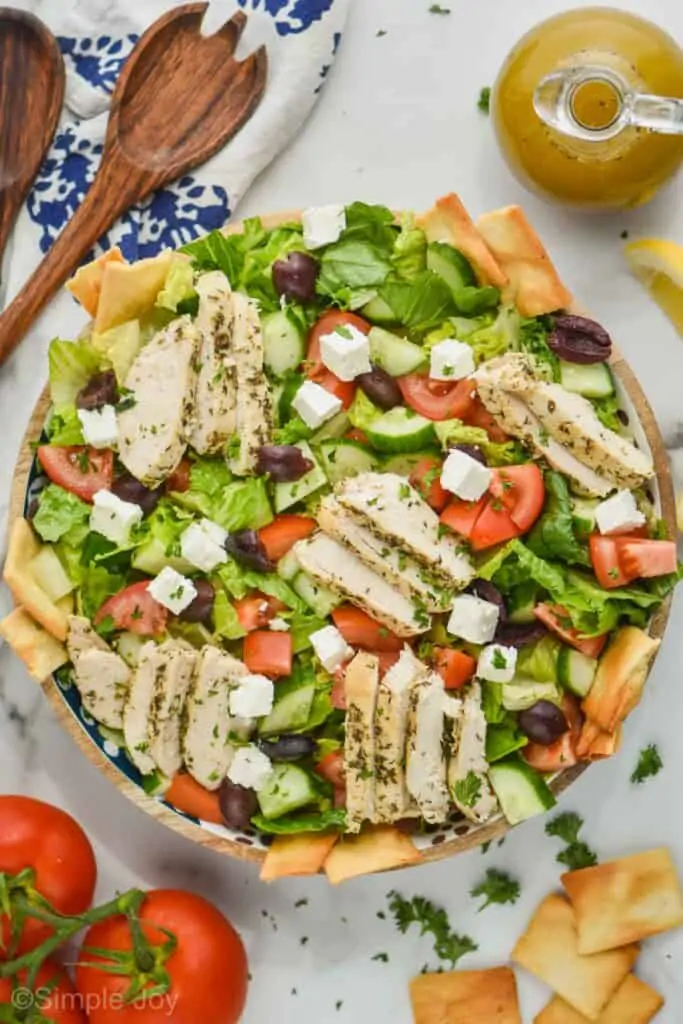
x=398, y=123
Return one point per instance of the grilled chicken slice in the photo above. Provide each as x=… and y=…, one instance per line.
x=409, y=577
x=161, y=383
x=215, y=414
x=138, y=708
x=81, y=637
x=333, y=565
x=468, y=765
x=425, y=760
x=102, y=677
x=390, y=507
x=206, y=749
x=360, y=685
x=392, y=799
x=175, y=665
x=254, y=415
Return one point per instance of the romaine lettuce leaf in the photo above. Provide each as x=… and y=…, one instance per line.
x=238, y=582
x=503, y=739
x=64, y=427
x=233, y=503
x=532, y=338
x=178, y=287
x=322, y=821
x=419, y=304
x=120, y=345
x=509, y=453
x=96, y=585
x=539, y=661
x=606, y=410
x=409, y=259
x=72, y=364
x=553, y=535
x=61, y=515
x=371, y=223
x=225, y=619
x=362, y=412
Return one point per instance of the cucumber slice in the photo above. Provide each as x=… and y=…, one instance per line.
x=287, y=494
x=128, y=646
x=290, y=711
x=156, y=783
x=576, y=671
x=50, y=575
x=522, y=792
x=319, y=598
x=284, y=342
x=524, y=693
x=593, y=380
x=396, y=355
x=400, y=430
x=336, y=427
x=521, y=602
x=583, y=514
x=343, y=458
x=151, y=558
x=288, y=567
x=450, y=265
x=403, y=465
x=377, y=311
x=288, y=788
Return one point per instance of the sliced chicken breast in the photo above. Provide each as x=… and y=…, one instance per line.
x=138, y=708
x=390, y=507
x=409, y=577
x=161, y=383
x=207, y=725
x=468, y=779
x=360, y=684
x=101, y=676
x=254, y=415
x=392, y=799
x=333, y=565
x=215, y=412
x=175, y=665
x=82, y=637
x=425, y=759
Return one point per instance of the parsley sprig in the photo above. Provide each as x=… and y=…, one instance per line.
x=496, y=887
x=649, y=763
x=577, y=854
x=448, y=945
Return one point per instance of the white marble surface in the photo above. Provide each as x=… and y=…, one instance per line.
x=398, y=123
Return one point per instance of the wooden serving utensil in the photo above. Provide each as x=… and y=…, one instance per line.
x=177, y=101
x=31, y=96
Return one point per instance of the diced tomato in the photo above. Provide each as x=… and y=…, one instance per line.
x=426, y=479
x=493, y=526
x=561, y=754
x=455, y=667
x=134, y=609
x=185, y=794
x=256, y=610
x=282, y=534
x=479, y=416
x=606, y=563
x=340, y=797
x=360, y=630
x=180, y=479
x=315, y=369
x=332, y=769
x=461, y=516
x=387, y=660
x=644, y=559
x=521, y=491
x=268, y=653
x=338, y=692
x=82, y=471
x=344, y=390
x=356, y=435
x=437, y=399
x=556, y=618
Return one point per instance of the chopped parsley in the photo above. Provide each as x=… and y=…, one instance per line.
x=438, y=9
x=496, y=887
x=382, y=957
x=404, y=491
x=484, y=101
x=301, y=903
x=499, y=660
x=485, y=846
x=448, y=945
x=468, y=790
x=127, y=400
x=577, y=854
x=381, y=32
x=624, y=234
x=136, y=613
x=649, y=763
x=84, y=461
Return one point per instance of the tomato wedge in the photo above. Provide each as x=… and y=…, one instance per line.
x=493, y=526
x=315, y=368
x=437, y=399
x=479, y=416
x=644, y=559
x=521, y=491
x=81, y=470
x=426, y=479
x=360, y=630
x=552, y=616
x=461, y=516
x=562, y=753
x=332, y=768
x=268, y=653
x=387, y=660
x=282, y=534
x=606, y=562
x=455, y=667
x=180, y=479
x=256, y=610
x=185, y=794
x=135, y=609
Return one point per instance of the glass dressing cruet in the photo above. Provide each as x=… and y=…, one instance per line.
x=588, y=108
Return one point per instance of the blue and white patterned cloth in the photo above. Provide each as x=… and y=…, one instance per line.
x=96, y=36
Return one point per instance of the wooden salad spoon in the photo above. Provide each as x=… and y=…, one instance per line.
x=177, y=101
x=31, y=96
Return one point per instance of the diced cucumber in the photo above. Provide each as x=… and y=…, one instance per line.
x=151, y=558
x=128, y=646
x=290, y=711
x=592, y=380
x=583, y=514
x=343, y=458
x=450, y=265
x=156, y=783
x=522, y=792
x=377, y=311
x=284, y=342
x=521, y=602
x=319, y=598
x=288, y=567
x=576, y=671
x=49, y=573
x=524, y=693
x=403, y=465
x=286, y=494
x=288, y=788
x=394, y=354
x=400, y=430
x=335, y=427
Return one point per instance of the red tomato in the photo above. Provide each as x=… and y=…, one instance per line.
x=520, y=489
x=135, y=609
x=333, y=769
x=455, y=667
x=315, y=369
x=493, y=526
x=562, y=753
x=437, y=399
x=54, y=996
x=360, y=630
x=185, y=794
x=47, y=840
x=180, y=479
x=606, y=564
x=479, y=416
x=256, y=610
x=461, y=516
x=552, y=616
x=426, y=479
x=207, y=969
x=338, y=692
x=268, y=653
x=281, y=535
x=83, y=471
x=647, y=558
x=387, y=660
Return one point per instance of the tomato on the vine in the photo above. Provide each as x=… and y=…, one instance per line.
x=51, y=997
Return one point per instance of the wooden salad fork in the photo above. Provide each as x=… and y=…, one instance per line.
x=179, y=98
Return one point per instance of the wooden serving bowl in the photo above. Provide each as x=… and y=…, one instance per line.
x=454, y=837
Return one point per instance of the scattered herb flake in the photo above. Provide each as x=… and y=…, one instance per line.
x=303, y=940
x=438, y=9
x=577, y=854
x=485, y=846
x=448, y=945
x=496, y=887
x=301, y=903
x=624, y=234
x=338, y=1005
x=649, y=763
x=468, y=790
x=383, y=957
x=499, y=660
x=381, y=32
x=484, y=101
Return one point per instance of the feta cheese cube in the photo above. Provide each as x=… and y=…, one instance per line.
x=464, y=476
x=451, y=360
x=250, y=767
x=217, y=534
x=253, y=697
x=314, y=404
x=100, y=427
x=198, y=547
x=323, y=225
x=173, y=590
x=331, y=647
x=114, y=518
x=497, y=663
x=473, y=619
x=619, y=514
x=346, y=352
x=279, y=625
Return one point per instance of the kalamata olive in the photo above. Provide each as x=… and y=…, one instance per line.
x=487, y=591
x=576, y=339
x=246, y=547
x=283, y=462
x=543, y=722
x=127, y=488
x=380, y=387
x=100, y=390
x=288, y=748
x=295, y=276
x=238, y=805
x=201, y=608
x=512, y=634
x=473, y=450
x=623, y=417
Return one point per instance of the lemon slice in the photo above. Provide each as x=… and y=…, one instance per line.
x=658, y=264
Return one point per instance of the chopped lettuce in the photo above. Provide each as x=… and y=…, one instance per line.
x=165, y=526
x=238, y=582
x=539, y=661
x=503, y=739
x=72, y=364
x=294, y=430
x=488, y=334
x=348, y=269
x=362, y=412
x=120, y=345
x=409, y=259
x=553, y=536
x=208, y=479
x=234, y=504
x=321, y=821
x=421, y=303
x=492, y=703
x=373, y=224
x=301, y=626
x=64, y=427
x=178, y=286
x=514, y=563
x=606, y=410
x=61, y=515
x=532, y=339
x=225, y=619
x=96, y=585
x=451, y=432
